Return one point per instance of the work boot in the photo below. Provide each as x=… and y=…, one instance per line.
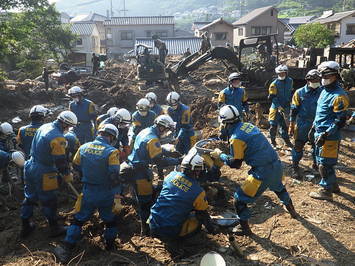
x=245, y=229
x=295, y=172
x=55, y=229
x=63, y=252
x=321, y=194
x=27, y=228
x=336, y=188
x=288, y=143
x=291, y=210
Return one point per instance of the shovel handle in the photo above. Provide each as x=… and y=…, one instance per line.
x=70, y=185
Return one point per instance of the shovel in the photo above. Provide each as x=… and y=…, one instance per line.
x=79, y=197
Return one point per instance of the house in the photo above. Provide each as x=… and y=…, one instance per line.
x=121, y=32
x=175, y=46
x=64, y=18
x=260, y=21
x=220, y=32
x=342, y=24
x=87, y=42
x=197, y=25
x=293, y=23
x=96, y=19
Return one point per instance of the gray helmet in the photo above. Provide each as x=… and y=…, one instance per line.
x=313, y=74
x=233, y=76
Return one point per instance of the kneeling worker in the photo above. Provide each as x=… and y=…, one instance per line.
x=171, y=216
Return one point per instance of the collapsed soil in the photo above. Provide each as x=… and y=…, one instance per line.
x=323, y=235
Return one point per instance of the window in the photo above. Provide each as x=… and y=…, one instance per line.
x=350, y=29
x=79, y=42
x=126, y=35
x=148, y=33
x=272, y=12
x=162, y=34
x=220, y=36
x=261, y=30
x=240, y=32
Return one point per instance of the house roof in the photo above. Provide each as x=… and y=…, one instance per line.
x=82, y=28
x=219, y=20
x=300, y=20
x=175, y=46
x=251, y=15
x=335, y=17
x=199, y=24
x=92, y=17
x=146, y=20
x=288, y=26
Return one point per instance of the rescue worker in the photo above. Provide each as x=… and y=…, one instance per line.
x=7, y=137
x=205, y=43
x=187, y=53
x=280, y=93
x=45, y=77
x=26, y=133
x=44, y=171
x=234, y=95
x=98, y=164
x=147, y=150
x=142, y=118
x=85, y=111
x=95, y=64
x=73, y=144
x=161, y=46
x=181, y=207
x=181, y=114
x=153, y=99
x=303, y=111
x=330, y=117
x=248, y=144
x=6, y=158
x=122, y=120
x=110, y=113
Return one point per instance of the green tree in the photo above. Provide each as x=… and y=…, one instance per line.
x=22, y=4
x=313, y=35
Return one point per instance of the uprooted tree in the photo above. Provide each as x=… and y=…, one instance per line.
x=313, y=35
x=29, y=37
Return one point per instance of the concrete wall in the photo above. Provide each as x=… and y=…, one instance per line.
x=116, y=45
x=219, y=28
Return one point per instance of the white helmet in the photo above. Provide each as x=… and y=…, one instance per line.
x=313, y=74
x=193, y=161
x=110, y=129
x=173, y=98
x=234, y=76
x=18, y=158
x=38, y=110
x=112, y=111
x=152, y=97
x=165, y=121
x=143, y=104
x=124, y=116
x=68, y=118
x=74, y=90
x=228, y=114
x=281, y=69
x=6, y=128
x=329, y=68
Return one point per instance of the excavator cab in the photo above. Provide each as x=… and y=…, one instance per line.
x=149, y=67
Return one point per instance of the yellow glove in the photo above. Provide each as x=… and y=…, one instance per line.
x=216, y=153
x=68, y=178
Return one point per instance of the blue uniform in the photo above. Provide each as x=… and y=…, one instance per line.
x=47, y=158
x=122, y=132
x=184, y=128
x=280, y=92
x=73, y=144
x=331, y=113
x=86, y=114
x=171, y=214
x=98, y=162
x=147, y=150
x=236, y=97
x=157, y=109
x=141, y=122
x=25, y=136
x=303, y=111
x=249, y=144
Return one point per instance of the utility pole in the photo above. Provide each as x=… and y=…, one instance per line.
x=111, y=10
x=124, y=8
